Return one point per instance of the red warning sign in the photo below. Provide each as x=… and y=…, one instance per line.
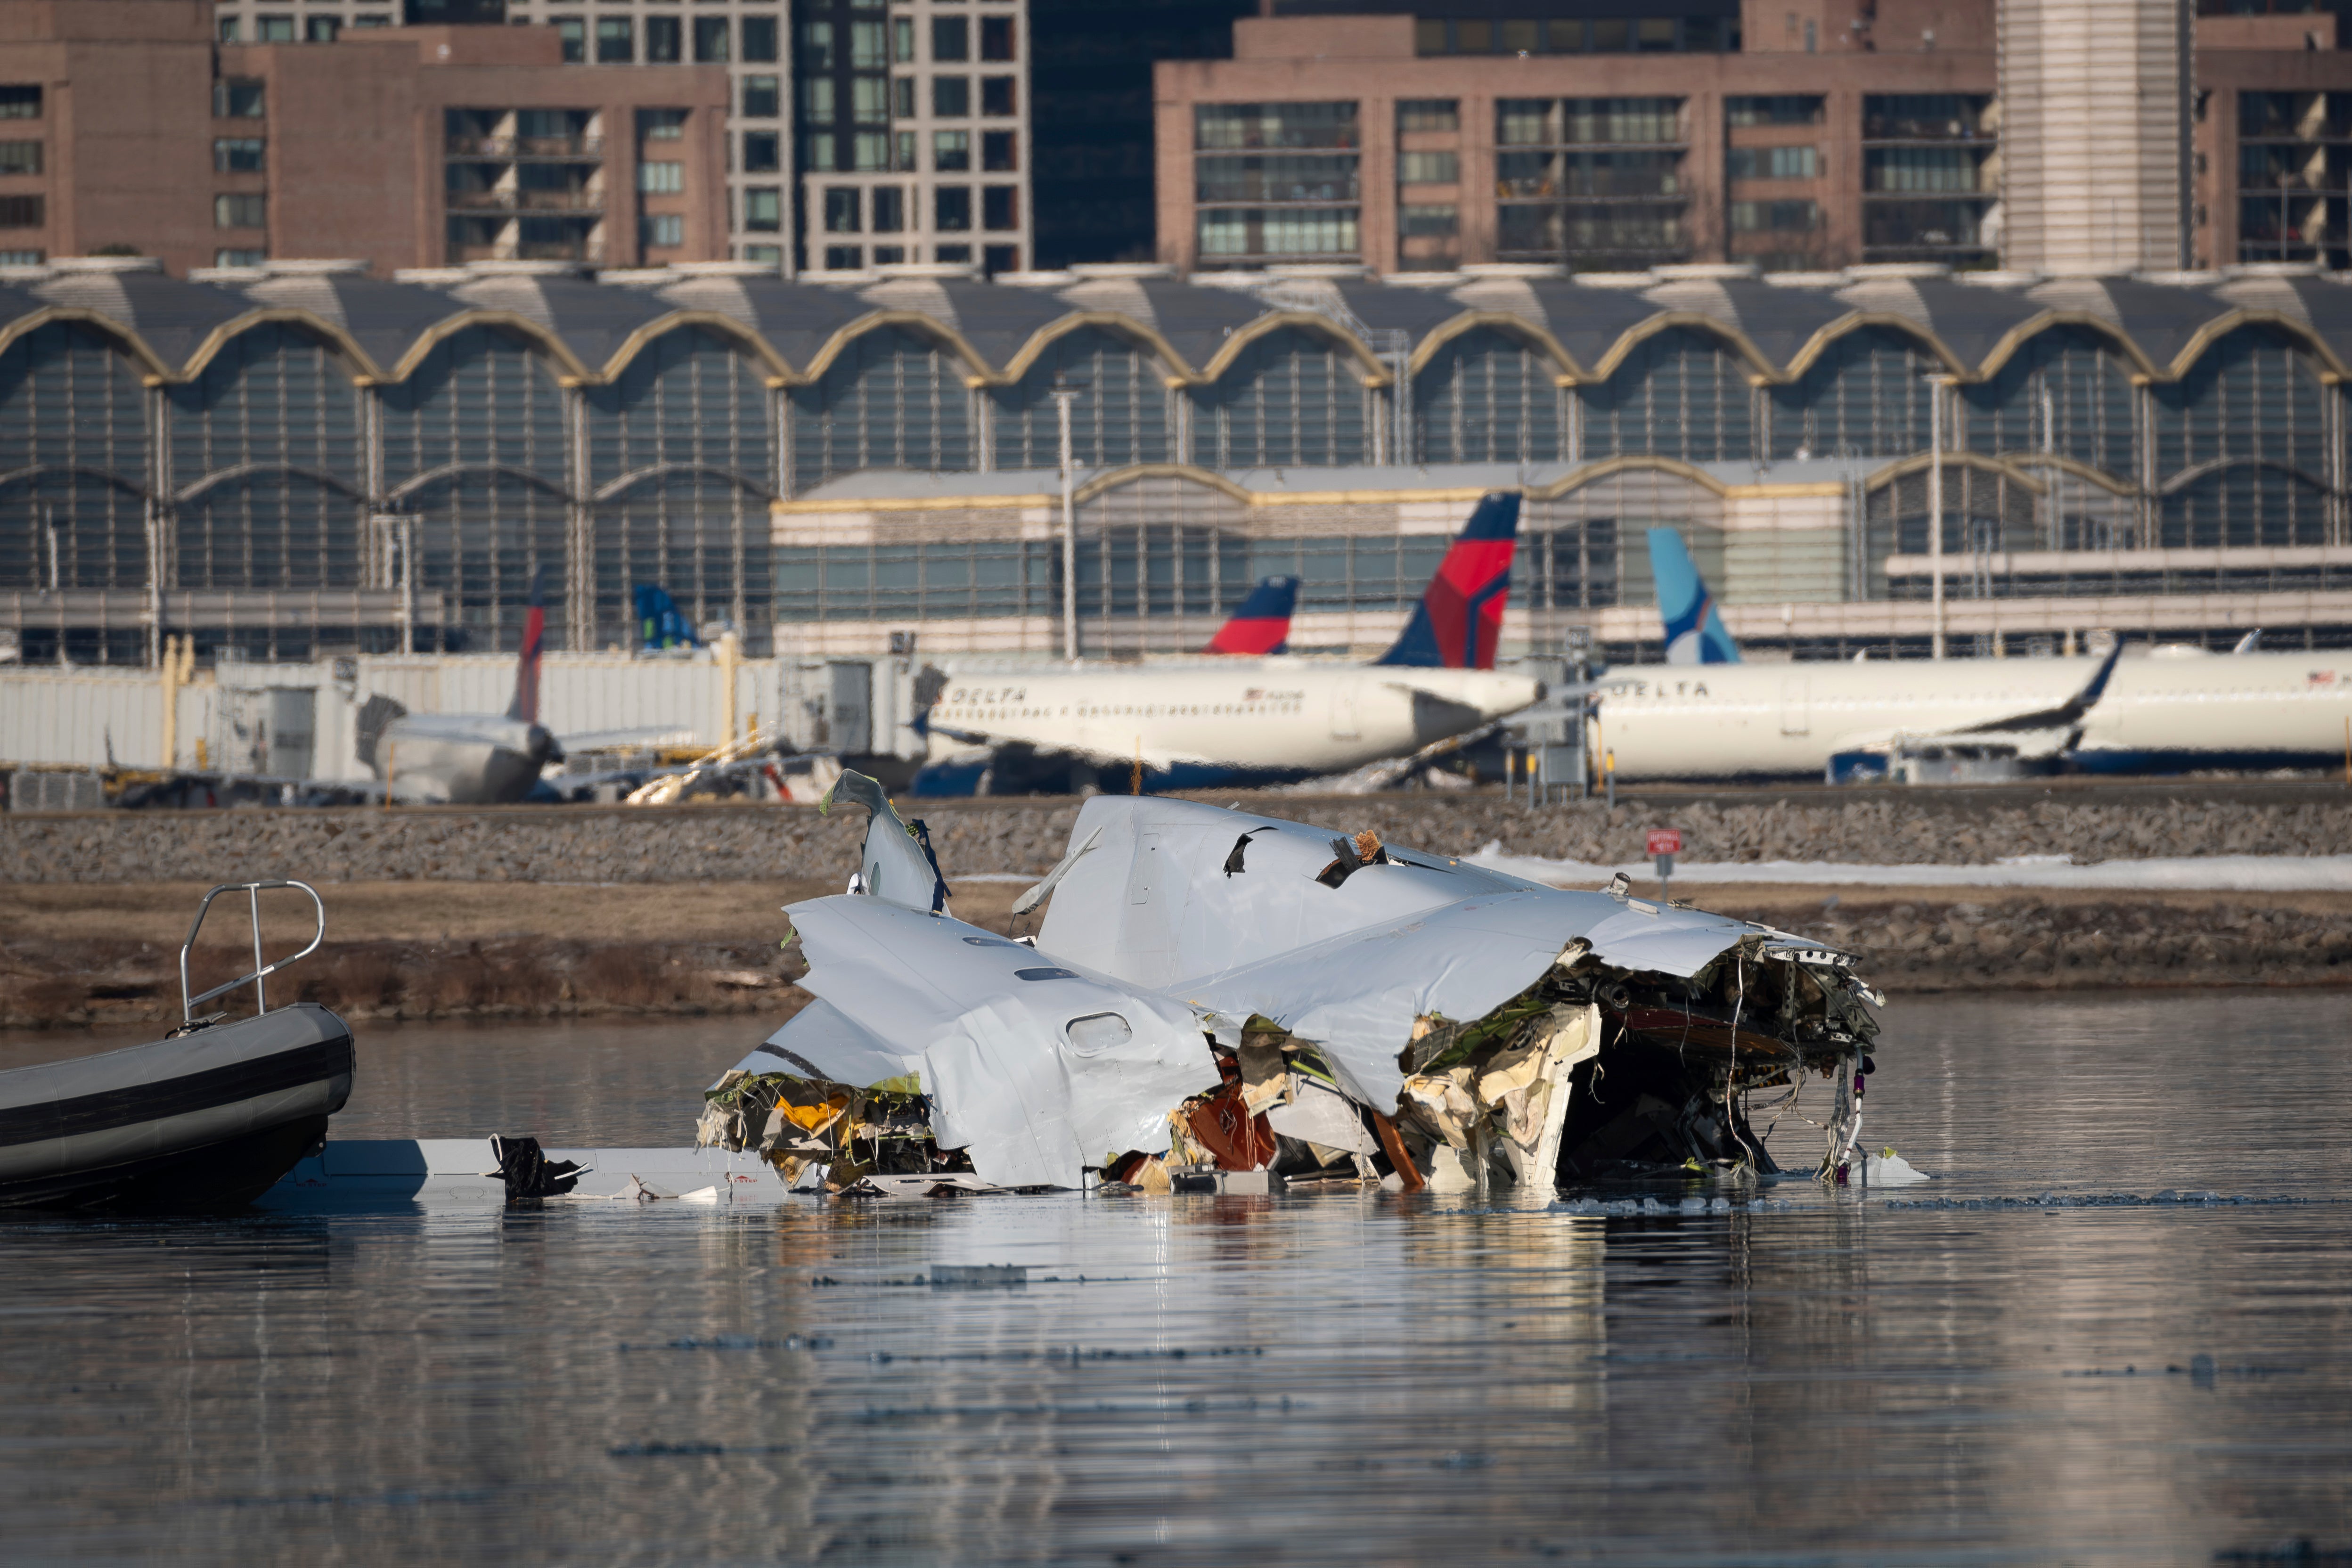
x=1665, y=841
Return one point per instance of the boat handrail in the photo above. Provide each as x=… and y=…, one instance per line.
x=253, y=891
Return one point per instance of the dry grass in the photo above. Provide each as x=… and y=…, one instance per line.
x=47, y=984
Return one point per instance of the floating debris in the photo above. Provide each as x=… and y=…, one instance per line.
x=1217, y=1001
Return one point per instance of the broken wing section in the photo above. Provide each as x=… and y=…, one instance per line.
x=1031, y=1067
x=895, y=862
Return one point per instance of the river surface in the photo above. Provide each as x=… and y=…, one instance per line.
x=1331, y=1378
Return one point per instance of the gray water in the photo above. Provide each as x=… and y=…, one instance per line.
x=1334, y=1378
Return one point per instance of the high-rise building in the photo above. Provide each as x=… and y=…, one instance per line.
x=2097, y=114
x=1405, y=137
x=124, y=126
x=1091, y=86
x=861, y=133
x=912, y=125
x=748, y=38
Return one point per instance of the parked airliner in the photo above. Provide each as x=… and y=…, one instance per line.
x=1244, y=721
x=2167, y=709
x=464, y=759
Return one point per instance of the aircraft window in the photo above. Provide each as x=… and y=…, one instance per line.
x=1098, y=1032
x=1045, y=974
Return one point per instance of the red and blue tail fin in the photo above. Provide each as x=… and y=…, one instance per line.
x=1262, y=623
x=525, y=705
x=1460, y=617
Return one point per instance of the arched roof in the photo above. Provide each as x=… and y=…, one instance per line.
x=2161, y=320
x=382, y=321
x=1135, y=473
x=1775, y=325
x=1968, y=321
x=592, y=323
x=171, y=317
x=991, y=322
x=797, y=320
x=2000, y=467
x=1195, y=321
x=2162, y=323
x=1582, y=326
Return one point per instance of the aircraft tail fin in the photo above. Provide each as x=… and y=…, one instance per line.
x=1694, y=630
x=1262, y=624
x=660, y=623
x=525, y=705
x=1460, y=617
x=376, y=715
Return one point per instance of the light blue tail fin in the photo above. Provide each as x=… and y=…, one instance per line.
x=1695, y=629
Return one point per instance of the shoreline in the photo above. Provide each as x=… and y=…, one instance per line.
x=98, y=955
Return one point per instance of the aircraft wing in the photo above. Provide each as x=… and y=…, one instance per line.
x=1089, y=749
x=614, y=740
x=2066, y=715
x=2040, y=731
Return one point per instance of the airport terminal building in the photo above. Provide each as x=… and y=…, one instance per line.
x=301, y=460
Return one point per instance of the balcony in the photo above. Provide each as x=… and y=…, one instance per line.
x=586, y=250
x=526, y=201
x=523, y=147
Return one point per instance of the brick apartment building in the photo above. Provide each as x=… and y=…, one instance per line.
x=125, y=124
x=1805, y=136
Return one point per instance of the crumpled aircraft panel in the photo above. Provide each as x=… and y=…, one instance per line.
x=1350, y=967
x=826, y=1043
x=1033, y=1064
x=1150, y=901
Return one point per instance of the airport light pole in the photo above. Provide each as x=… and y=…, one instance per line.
x=1063, y=394
x=1936, y=385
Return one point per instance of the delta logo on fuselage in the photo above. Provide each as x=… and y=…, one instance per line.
x=1655, y=688
x=965, y=701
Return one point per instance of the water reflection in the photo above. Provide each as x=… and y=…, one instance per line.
x=1336, y=1378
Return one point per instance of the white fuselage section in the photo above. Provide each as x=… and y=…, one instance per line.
x=1728, y=721
x=1258, y=715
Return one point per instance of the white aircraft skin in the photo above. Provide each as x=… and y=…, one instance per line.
x=1233, y=720
x=2199, y=709
x=462, y=759
x=2161, y=710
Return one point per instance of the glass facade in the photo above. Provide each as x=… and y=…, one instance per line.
x=1930, y=177
x=1259, y=200
x=275, y=467
x=1565, y=199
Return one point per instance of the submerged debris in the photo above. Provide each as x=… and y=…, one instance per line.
x=1211, y=992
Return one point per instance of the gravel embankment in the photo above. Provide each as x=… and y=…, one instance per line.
x=549, y=963
x=2025, y=943
x=733, y=843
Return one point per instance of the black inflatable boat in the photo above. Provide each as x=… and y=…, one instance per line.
x=207, y=1118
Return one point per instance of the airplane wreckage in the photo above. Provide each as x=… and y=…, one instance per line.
x=1217, y=1000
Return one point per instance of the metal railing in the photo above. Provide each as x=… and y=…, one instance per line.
x=523, y=147
x=526, y=201
x=253, y=891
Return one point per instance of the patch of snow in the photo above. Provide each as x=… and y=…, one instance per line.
x=2204, y=873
